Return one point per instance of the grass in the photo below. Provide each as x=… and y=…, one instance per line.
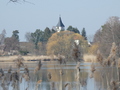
x=11, y=58
x=86, y=58
x=89, y=58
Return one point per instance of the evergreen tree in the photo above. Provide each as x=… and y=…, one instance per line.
x=47, y=34
x=75, y=30
x=84, y=33
x=70, y=28
x=36, y=37
x=53, y=31
x=15, y=34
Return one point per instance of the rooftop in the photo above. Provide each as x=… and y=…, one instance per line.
x=60, y=24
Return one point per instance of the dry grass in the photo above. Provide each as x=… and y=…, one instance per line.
x=89, y=58
x=86, y=58
x=11, y=58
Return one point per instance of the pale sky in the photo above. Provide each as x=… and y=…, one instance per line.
x=26, y=17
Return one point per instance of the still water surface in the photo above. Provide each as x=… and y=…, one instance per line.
x=58, y=81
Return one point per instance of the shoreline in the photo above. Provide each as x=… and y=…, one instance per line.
x=26, y=58
x=86, y=58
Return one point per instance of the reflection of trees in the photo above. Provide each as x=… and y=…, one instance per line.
x=67, y=80
x=60, y=74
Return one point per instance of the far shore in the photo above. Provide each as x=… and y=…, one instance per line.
x=86, y=58
x=26, y=58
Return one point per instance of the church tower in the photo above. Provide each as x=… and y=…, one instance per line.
x=60, y=26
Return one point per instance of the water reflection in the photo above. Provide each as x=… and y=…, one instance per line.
x=63, y=77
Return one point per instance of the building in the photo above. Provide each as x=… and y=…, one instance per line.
x=60, y=26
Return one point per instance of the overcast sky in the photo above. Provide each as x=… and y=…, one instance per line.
x=26, y=17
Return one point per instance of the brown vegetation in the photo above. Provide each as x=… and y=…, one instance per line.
x=62, y=43
x=109, y=33
x=107, y=69
x=89, y=58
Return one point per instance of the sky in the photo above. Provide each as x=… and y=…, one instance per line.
x=27, y=17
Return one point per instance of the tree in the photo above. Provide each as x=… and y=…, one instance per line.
x=53, y=31
x=84, y=33
x=18, y=1
x=36, y=37
x=109, y=33
x=28, y=37
x=70, y=28
x=11, y=43
x=75, y=30
x=2, y=37
x=62, y=43
x=90, y=38
x=97, y=36
x=47, y=34
x=15, y=34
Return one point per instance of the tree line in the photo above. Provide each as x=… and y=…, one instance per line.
x=38, y=38
x=103, y=38
x=43, y=36
x=106, y=35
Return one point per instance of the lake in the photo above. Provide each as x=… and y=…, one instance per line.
x=63, y=77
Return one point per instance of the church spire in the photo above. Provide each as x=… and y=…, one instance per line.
x=60, y=26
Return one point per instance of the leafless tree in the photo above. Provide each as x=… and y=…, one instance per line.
x=109, y=33
x=2, y=37
x=90, y=38
x=28, y=36
x=11, y=44
x=19, y=1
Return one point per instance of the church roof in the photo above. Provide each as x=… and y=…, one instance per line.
x=60, y=24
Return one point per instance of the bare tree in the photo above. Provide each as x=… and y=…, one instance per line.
x=90, y=38
x=28, y=36
x=109, y=33
x=19, y=1
x=11, y=44
x=2, y=37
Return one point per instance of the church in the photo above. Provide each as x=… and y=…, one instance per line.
x=60, y=26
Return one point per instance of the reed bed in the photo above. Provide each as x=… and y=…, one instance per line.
x=11, y=58
x=109, y=71
x=89, y=58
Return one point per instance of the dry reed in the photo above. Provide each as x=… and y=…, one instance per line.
x=38, y=67
x=89, y=58
x=49, y=75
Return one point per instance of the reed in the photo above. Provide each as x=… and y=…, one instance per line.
x=38, y=67
x=89, y=58
x=99, y=57
x=92, y=70
x=109, y=65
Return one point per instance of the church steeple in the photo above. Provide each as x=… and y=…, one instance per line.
x=60, y=26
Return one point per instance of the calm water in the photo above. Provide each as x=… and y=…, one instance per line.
x=58, y=81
